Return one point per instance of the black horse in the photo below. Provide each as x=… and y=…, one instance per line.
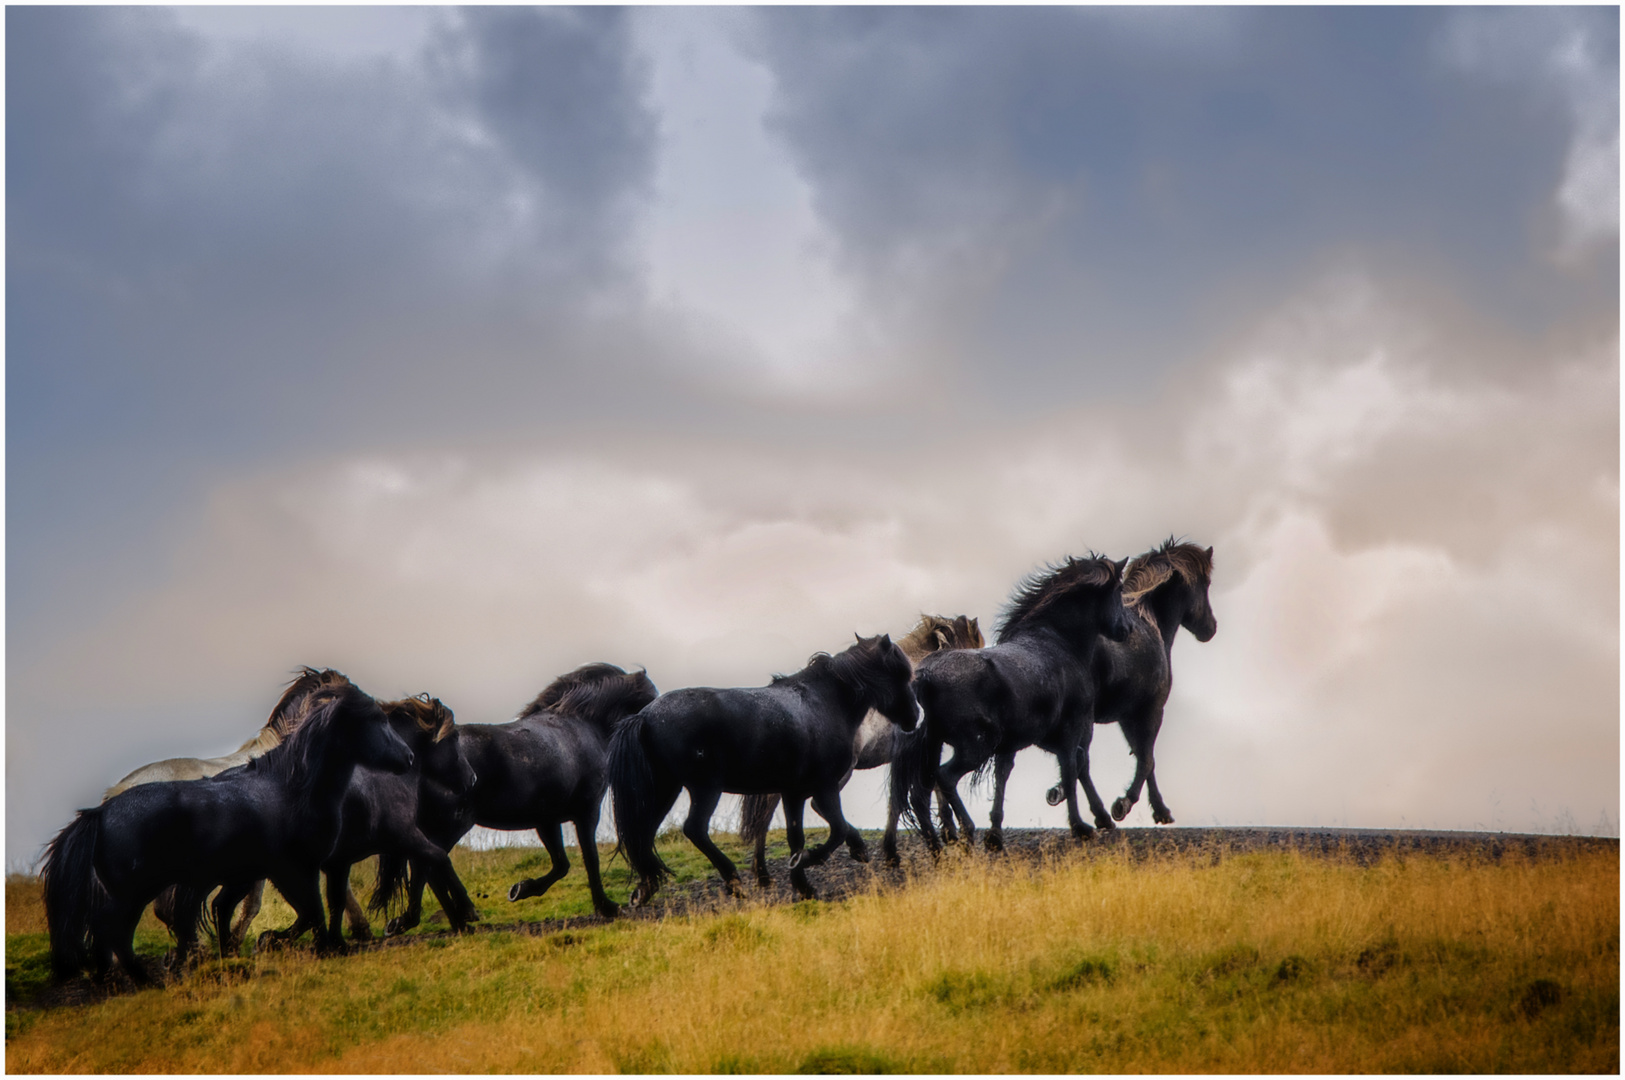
x=381, y=811
x=1033, y=688
x=793, y=737
x=877, y=740
x=1163, y=590
x=276, y=817
x=547, y=767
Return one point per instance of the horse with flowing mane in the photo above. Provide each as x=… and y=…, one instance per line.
x=275, y=817
x=548, y=766
x=1163, y=590
x=1032, y=688
x=286, y=716
x=794, y=737
x=877, y=739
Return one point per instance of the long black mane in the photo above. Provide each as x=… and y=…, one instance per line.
x=296, y=761
x=861, y=668
x=598, y=693
x=1035, y=600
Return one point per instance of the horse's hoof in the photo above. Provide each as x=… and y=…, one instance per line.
x=608, y=910
x=361, y=933
x=1162, y=817
x=517, y=892
x=1120, y=809
x=993, y=841
x=797, y=859
x=1055, y=796
x=764, y=880
x=1083, y=832
x=859, y=854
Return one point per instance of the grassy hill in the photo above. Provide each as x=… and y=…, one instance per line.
x=1079, y=960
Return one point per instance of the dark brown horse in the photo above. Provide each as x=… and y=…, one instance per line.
x=1163, y=590
x=877, y=741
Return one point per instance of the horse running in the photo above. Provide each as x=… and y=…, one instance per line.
x=793, y=738
x=276, y=817
x=877, y=739
x=1032, y=688
x=547, y=767
x=289, y=711
x=1163, y=590
x=381, y=815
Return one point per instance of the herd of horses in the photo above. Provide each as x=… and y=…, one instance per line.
x=335, y=776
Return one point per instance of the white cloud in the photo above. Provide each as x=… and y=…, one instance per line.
x=1463, y=651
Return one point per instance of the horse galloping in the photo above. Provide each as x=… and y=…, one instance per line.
x=548, y=766
x=794, y=737
x=1163, y=590
x=381, y=814
x=285, y=718
x=1032, y=688
x=275, y=817
x=877, y=738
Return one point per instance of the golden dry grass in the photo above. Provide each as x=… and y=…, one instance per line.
x=1094, y=962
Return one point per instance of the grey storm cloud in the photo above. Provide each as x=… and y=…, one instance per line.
x=455, y=347
x=1119, y=181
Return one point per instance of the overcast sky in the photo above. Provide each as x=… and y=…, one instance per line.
x=456, y=348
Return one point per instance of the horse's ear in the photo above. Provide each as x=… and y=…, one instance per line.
x=858, y=636
x=1119, y=564
x=1210, y=553
x=885, y=642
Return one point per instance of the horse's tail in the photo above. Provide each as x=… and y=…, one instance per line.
x=755, y=815
x=918, y=753
x=391, y=887
x=72, y=890
x=639, y=797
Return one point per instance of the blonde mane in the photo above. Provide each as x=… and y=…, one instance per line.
x=1147, y=573
x=935, y=632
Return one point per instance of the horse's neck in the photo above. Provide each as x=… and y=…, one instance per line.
x=1164, y=609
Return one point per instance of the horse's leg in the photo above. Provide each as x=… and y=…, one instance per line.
x=697, y=827
x=793, y=834
x=186, y=905
x=945, y=814
x=1159, y=809
x=304, y=894
x=552, y=835
x=1141, y=738
x=828, y=805
x=1002, y=764
x=1069, y=781
x=225, y=903
x=587, y=841
x=448, y=887
x=855, y=845
x=238, y=931
x=354, y=915
x=948, y=776
x=115, y=924
x=1054, y=796
x=163, y=907
x=919, y=794
x=338, y=891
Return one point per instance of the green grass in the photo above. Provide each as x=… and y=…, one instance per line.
x=1091, y=962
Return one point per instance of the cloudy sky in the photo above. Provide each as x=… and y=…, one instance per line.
x=455, y=348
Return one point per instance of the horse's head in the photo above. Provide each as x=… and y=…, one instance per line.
x=368, y=735
x=430, y=728
x=889, y=680
x=1199, y=618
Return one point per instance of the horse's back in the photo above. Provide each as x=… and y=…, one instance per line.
x=750, y=740
x=177, y=830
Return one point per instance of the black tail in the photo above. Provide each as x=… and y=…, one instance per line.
x=913, y=770
x=72, y=891
x=392, y=884
x=755, y=815
x=639, y=798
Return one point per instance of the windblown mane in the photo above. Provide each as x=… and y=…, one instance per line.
x=937, y=632
x=294, y=761
x=429, y=713
x=594, y=692
x=1147, y=572
x=1038, y=594
x=861, y=667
